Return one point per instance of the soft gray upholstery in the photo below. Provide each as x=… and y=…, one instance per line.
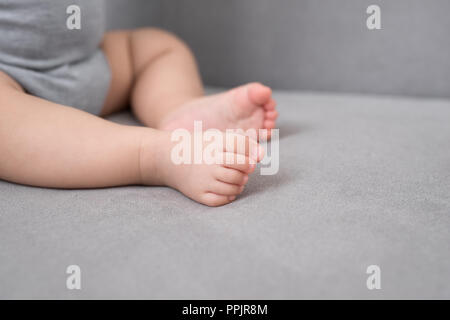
x=308, y=44
x=363, y=181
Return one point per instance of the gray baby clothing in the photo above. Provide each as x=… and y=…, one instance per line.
x=42, y=51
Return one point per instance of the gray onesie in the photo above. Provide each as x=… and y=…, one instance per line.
x=49, y=59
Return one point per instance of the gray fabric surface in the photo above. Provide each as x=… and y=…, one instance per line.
x=133, y=13
x=363, y=181
x=50, y=60
x=308, y=44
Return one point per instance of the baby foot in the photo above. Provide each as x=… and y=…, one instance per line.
x=213, y=184
x=247, y=107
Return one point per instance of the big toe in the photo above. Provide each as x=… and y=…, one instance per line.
x=258, y=93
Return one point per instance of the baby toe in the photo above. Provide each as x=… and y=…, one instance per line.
x=241, y=146
x=270, y=105
x=271, y=115
x=269, y=124
x=245, y=167
x=259, y=94
x=215, y=200
x=233, y=176
x=226, y=189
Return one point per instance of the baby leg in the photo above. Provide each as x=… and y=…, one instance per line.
x=152, y=70
x=165, y=89
x=50, y=145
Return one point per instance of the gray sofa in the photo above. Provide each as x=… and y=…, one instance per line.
x=363, y=180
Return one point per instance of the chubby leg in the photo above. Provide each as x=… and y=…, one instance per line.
x=41, y=144
x=166, y=75
x=158, y=74
x=152, y=71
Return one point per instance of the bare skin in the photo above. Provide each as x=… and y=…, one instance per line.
x=157, y=72
x=50, y=145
